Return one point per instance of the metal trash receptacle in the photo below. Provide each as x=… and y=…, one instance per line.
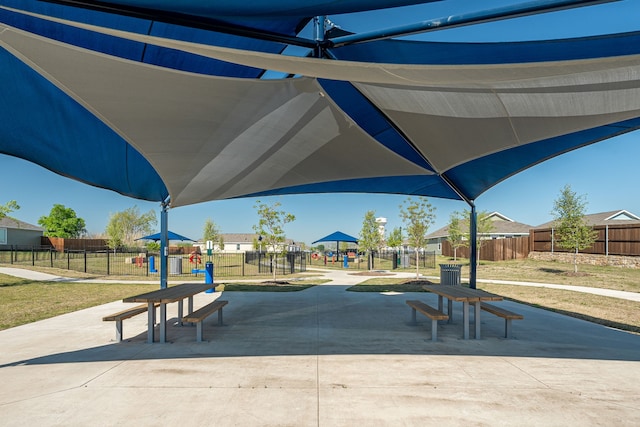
x=450, y=274
x=175, y=265
x=405, y=262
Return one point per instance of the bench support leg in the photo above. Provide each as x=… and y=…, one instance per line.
x=119, y=330
x=180, y=311
x=434, y=330
x=220, y=317
x=413, y=316
x=465, y=319
x=163, y=323
x=476, y=318
x=199, y=331
x=450, y=310
x=507, y=328
x=151, y=322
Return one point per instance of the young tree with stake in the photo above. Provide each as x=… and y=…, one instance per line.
x=271, y=222
x=418, y=215
x=370, y=237
x=571, y=230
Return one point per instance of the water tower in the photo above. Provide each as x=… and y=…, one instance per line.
x=382, y=222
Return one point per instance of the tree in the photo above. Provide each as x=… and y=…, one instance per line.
x=62, y=222
x=271, y=222
x=484, y=227
x=124, y=227
x=395, y=238
x=456, y=234
x=571, y=230
x=418, y=215
x=369, y=238
x=211, y=232
x=153, y=246
x=8, y=207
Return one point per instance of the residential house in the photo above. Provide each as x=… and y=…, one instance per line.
x=14, y=232
x=239, y=242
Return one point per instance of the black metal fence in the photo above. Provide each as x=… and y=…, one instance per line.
x=136, y=263
x=381, y=260
x=288, y=263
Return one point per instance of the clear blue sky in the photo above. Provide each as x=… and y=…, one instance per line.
x=605, y=173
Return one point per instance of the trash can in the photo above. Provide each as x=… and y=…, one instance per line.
x=175, y=265
x=345, y=261
x=450, y=274
x=405, y=263
x=208, y=276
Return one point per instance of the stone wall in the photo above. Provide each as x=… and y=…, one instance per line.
x=591, y=259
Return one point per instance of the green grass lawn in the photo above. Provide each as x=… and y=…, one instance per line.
x=47, y=299
x=24, y=301
x=613, y=312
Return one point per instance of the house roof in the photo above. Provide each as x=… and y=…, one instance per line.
x=603, y=218
x=502, y=225
x=239, y=237
x=244, y=238
x=8, y=222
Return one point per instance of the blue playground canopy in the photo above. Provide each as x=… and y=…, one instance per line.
x=337, y=236
x=170, y=236
x=168, y=101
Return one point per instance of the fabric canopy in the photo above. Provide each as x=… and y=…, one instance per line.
x=338, y=236
x=159, y=111
x=170, y=236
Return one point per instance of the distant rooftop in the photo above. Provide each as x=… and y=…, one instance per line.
x=8, y=222
x=502, y=224
x=604, y=218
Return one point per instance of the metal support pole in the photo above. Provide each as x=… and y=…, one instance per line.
x=473, y=248
x=319, y=31
x=452, y=21
x=164, y=245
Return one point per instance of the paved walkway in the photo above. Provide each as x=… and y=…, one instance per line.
x=319, y=357
x=344, y=277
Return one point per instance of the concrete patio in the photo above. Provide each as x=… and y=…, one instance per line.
x=320, y=357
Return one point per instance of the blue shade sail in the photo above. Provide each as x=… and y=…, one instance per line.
x=137, y=102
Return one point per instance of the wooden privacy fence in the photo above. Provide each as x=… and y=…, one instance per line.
x=494, y=249
x=617, y=239
x=62, y=244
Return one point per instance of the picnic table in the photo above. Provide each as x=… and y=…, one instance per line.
x=466, y=296
x=166, y=296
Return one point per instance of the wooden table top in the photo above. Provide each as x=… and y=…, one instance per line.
x=462, y=293
x=171, y=294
